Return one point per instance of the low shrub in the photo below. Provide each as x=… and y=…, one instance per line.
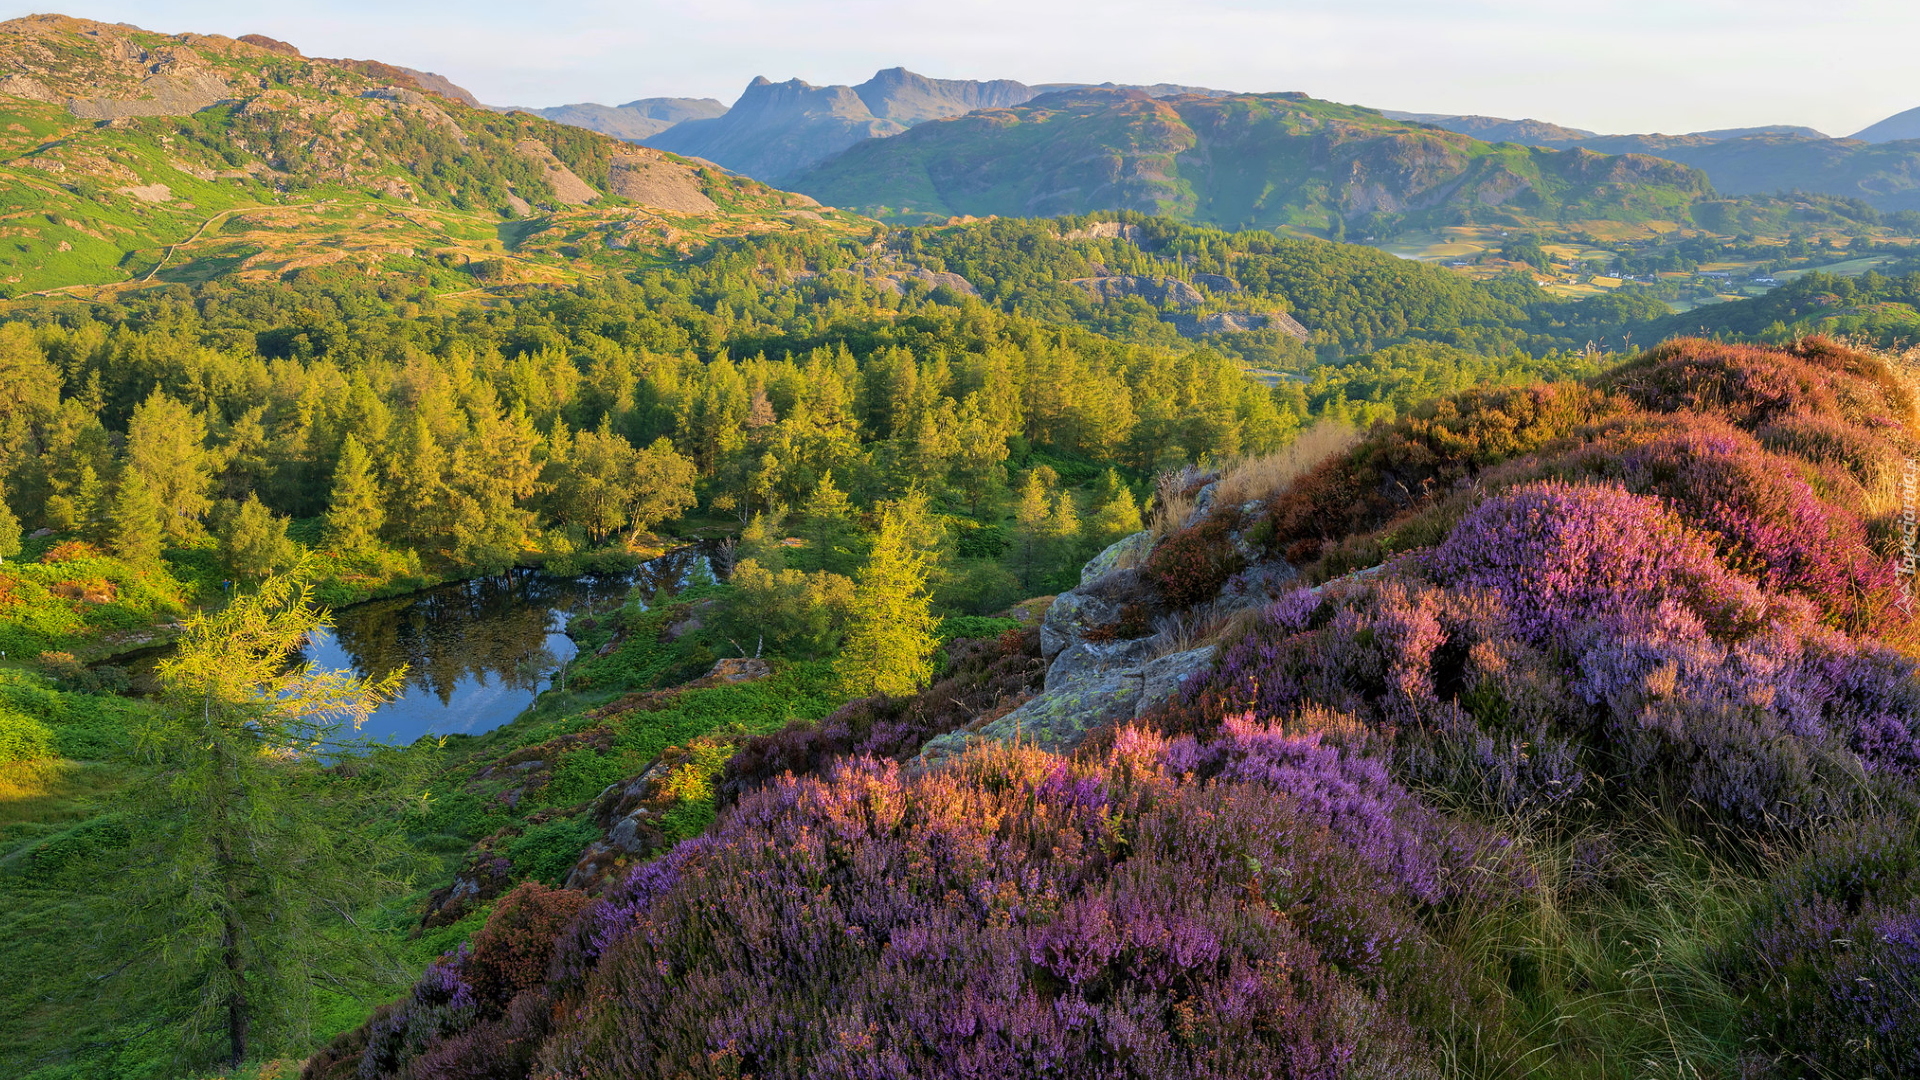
x=22, y=738
x=546, y=853
x=1227, y=909
x=1191, y=565
x=1831, y=966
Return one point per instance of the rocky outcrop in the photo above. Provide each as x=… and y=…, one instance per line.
x=1156, y=290
x=567, y=187
x=1105, y=667
x=1107, y=230
x=655, y=180
x=1236, y=322
x=1114, y=647
x=160, y=95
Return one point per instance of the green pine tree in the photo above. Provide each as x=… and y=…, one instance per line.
x=167, y=446
x=135, y=521
x=891, y=638
x=253, y=540
x=356, y=508
x=1116, y=513
x=828, y=528
x=1031, y=514
x=9, y=530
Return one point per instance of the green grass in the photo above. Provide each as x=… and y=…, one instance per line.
x=1606, y=967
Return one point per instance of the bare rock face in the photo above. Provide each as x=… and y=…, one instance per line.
x=655, y=180
x=1155, y=290
x=160, y=95
x=1236, y=322
x=1106, y=230
x=737, y=669
x=567, y=187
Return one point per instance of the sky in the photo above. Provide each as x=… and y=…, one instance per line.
x=1613, y=66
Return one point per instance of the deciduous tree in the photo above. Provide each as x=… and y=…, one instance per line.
x=253, y=854
x=890, y=638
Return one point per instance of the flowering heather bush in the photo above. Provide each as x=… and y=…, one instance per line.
x=1832, y=965
x=1767, y=521
x=983, y=676
x=1191, y=565
x=1753, y=385
x=1568, y=635
x=1229, y=909
x=1428, y=455
x=470, y=1015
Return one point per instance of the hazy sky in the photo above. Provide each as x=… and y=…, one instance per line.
x=1608, y=65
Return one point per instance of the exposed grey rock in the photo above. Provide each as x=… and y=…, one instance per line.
x=1091, y=611
x=735, y=669
x=1106, y=230
x=1167, y=290
x=1235, y=322
x=1127, y=550
x=160, y=95
x=1061, y=717
x=1202, y=505
x=1260, y=583
x=1219, y=283
x=1160, y=679
x=1072, y=615
x=1083, y=658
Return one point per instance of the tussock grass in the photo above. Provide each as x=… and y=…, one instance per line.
x=1175, y=493
x=1256, y=479
x=1606, y=967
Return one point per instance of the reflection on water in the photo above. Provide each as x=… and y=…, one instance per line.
x=476, y=652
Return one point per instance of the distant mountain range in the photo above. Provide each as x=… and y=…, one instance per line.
x=781, y=133
x=1879, y=165
x=634, y=121
x=777, y=130
x=1241, y=160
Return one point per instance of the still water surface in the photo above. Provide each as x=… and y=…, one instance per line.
x=476, y=652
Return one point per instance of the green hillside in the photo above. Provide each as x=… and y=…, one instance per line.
x=134, y=156
x=1245, y=161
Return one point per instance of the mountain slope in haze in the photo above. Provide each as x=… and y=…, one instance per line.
x=1895, y=128
x=1497, y=128
x=632, y=122
x=776, y=130
x=127, y=155
x=1249, y=160
x=1880, y=166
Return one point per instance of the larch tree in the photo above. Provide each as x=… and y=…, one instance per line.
x=167, y=446
x=828, y=530
x=9, y=530
x=135, y=521
x=890, y=638
x=659, y=486
x=253, y=540
x=356, y=508
x=1031, y=516
x=251, y=855
x=1116, y=512
x=417, y=487
x=492, y=473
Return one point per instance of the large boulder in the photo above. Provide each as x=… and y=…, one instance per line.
x=1082, y=699
x=1105, y=668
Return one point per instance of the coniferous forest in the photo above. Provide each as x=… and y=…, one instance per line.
x=1084, y=646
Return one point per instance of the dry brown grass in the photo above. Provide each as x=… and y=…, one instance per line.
x=1173, y=500
x=1255, y=479
x=1208, y=624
